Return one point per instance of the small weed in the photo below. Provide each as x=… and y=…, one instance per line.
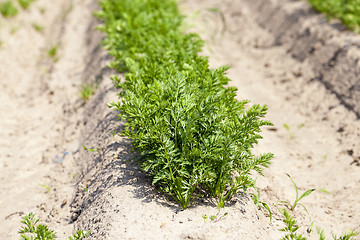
x=321, y=233
x=91, y=149
x=80, y=234
x=297, y=199
x=25, y=3
x=52, y=52
x=30, y=229
x=291, y=227
x=7, y=9
x=42, y=10
x=259, y=204
x=46, y=187
x=301, y=125
x=214, y=218
x=45, y=69
x=287, y=127
x=33, y=231
x=113, y=134
x=347, y=236
x=87, y=91
x=38, y=27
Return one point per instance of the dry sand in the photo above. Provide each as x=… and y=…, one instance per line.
x=281, y=53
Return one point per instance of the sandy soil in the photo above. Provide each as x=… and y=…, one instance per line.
x=281, y=53
x=41, y=111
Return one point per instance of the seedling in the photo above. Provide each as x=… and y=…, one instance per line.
x=52, y=52
x=291, y=227
x=31, y=229
x=34, y=231
x=7, y=9
x=347, y=236
x=91, y=149
x=46, y=187
x=42, y=10
x=297, y=199
x=80, y=234
x=25, y=3
x=45, y=69
x=38, y=27
x=87, y=91
x=321, y=233
x=214, y=218
x=113, y=134
x=287, y=127
x=259, y=204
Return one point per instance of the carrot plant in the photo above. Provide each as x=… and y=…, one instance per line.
x=7, y=9
x=348, y=11
x=191, y=132
x=25, y=3
x=31, y=230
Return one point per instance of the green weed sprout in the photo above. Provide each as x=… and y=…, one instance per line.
x=79, y=235
x=7, y=9
x=258, y=203
x=87, y=91
x=33, y=231
x=297, y=199
x=52, y=52
x=46, y=187
x=25, y=3
x=30, y=229
x=291, y=227
x=287, y=127
x=347, y=236
x=321, y=233
x=214, y=218
x=38, y=27
x=91, y=149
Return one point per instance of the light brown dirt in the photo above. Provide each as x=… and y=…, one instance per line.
x=281, y=53
x=41, y=112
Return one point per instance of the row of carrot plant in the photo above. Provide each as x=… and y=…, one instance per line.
x=348, y=11
x=193, y=137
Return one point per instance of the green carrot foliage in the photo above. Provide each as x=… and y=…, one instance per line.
x=188, y=127
x=8, y=9
x=348, y=11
